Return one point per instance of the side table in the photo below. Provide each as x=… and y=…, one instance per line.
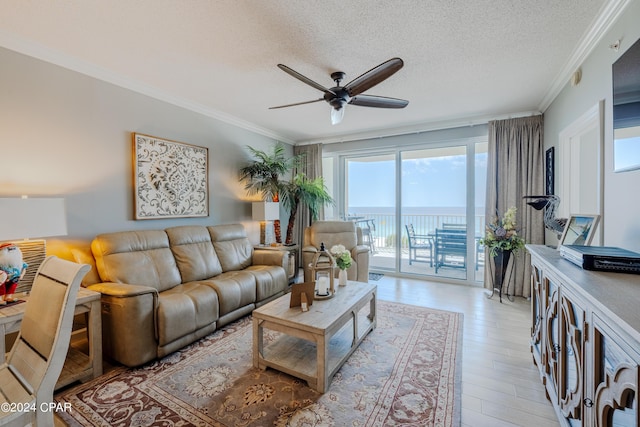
x=78, y=366
x=294, y=264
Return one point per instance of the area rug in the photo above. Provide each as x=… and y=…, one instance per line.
x=405, y=372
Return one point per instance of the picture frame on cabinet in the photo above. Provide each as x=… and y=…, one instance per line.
x=170, y=178
x=579, y=230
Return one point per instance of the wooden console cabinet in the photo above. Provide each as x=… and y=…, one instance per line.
x=585, y=340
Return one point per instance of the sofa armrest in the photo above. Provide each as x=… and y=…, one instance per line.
x=121, y=290
x=360, y=249
x=267, y=257
x=361, y=255
x=129, y=330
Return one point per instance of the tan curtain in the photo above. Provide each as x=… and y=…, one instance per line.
x=312, y=168
x=515, y=169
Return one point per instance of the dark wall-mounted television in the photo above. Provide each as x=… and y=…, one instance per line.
x=626, y=110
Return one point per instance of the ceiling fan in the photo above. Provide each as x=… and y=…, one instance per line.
x=351, y=93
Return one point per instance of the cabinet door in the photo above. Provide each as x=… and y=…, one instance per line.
x=615, y=387
x=571, y=358
x=551, y=336
x=538, y=297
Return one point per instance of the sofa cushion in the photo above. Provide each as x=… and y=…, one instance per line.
x=184, y=309
x=232, y=246
x=235, y=289
x=270, y=280
x=136, y=258
x=192, y=248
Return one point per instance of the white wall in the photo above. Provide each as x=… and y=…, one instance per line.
x=63, y=134
x=621, y=201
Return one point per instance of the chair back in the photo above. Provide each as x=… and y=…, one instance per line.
x=39, y=352
x=332, y=233
x=411, y=233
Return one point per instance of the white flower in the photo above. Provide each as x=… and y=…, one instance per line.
x=338, y=249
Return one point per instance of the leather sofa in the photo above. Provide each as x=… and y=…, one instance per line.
x=336, y=233
x=164, y=289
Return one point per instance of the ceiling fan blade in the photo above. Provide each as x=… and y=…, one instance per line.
x=373, y=76
x=303, y=79
x=378, y=101
x=297, y=103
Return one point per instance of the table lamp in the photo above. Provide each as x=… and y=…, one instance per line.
x=265, y=212
x=26, y=218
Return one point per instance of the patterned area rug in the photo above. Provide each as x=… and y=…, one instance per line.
x=405, y=372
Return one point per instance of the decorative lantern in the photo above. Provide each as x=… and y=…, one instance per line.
x=322, y=272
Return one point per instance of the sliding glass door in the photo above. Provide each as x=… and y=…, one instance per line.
x=371, y=202
x=433, y=213
x=421, y=209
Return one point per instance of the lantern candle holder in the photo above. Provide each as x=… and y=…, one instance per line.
x=322, y=271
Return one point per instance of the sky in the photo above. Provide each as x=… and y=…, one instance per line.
x=426, y=182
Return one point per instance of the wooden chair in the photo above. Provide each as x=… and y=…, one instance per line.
x=28, y=377
x=419, y=242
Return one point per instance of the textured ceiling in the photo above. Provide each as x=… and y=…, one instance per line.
x=464, y=60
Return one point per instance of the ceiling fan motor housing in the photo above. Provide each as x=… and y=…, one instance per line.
x=340, y=99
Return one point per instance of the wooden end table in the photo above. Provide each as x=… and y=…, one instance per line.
x=314, y=344
x=78, y=366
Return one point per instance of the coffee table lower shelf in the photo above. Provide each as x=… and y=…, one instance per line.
x=314, y=351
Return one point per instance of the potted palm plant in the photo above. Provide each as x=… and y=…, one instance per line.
x=262, y=175
x=310, y=193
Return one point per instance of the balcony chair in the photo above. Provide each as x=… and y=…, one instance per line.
x=35, y=362
x=336, y=233
x=418, y=242
x=368, y=227
x=450, y=247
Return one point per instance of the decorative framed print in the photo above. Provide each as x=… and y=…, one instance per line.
x=549, y=168
x=579, y=230
x=170, y=178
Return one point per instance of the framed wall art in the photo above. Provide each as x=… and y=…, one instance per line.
x=549, y=168
x=170, y=178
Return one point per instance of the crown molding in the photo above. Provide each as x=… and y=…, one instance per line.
x=417, y=128
x=608, y=15
x=38, y=51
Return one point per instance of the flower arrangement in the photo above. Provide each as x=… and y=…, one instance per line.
x=342, y=256
x=501, y=234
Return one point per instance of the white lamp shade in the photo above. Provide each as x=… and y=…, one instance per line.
x=25, y=218
x=265, y=211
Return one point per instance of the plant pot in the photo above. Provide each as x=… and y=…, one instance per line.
x=342, y=278
x=501, y=261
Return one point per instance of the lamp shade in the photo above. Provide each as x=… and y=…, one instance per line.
x=265, y=211
x=24, y=218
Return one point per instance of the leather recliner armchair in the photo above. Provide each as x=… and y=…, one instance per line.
x=336, y=233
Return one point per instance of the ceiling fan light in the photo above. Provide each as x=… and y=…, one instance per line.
x=337, y=114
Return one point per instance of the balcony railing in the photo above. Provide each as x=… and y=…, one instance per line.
x=385, y=226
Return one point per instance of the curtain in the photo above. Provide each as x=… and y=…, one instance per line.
x=515, y=169
x=312, y=168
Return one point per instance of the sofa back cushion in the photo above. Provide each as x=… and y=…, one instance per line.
x=232, y=246
x=137, y=258
x=192, y=248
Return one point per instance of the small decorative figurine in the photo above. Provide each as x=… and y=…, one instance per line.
x=12, y=269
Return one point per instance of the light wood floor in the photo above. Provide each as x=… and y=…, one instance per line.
x=500, y=384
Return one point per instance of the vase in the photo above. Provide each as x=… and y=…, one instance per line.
x=342, y=278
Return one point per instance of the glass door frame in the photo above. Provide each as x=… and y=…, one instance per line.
x=340, y=188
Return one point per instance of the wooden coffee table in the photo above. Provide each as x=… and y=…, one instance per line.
x=313, y=345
